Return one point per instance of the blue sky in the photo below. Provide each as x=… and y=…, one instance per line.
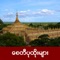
x=30, y=10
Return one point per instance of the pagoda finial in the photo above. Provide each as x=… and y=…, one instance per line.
x=17, y=15
x=17, y=20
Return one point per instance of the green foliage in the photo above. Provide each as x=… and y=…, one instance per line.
x=45, y=25
x=30, y=24
x=2, y=24
x=54, y=42
x=43, y=36
x=39, y=42
x=43, y=40
x=58, y=25
x=53, y=26
x=36, y=25
x=9, y=39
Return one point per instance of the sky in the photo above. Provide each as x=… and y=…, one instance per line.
x=30, y=10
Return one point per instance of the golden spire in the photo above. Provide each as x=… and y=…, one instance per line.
x=17, y=20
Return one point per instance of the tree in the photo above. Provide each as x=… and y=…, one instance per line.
x=58, y=25
x=9, y=39
x=1, y=22
x=54, y=42
x=44, y=36
x=39, y=42
x=44, y=41
x=31, y=25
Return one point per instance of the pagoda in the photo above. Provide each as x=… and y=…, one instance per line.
x=27, y=32
x=16, y=28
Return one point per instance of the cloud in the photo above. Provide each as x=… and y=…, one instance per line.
x=10, y=14
x=24, y=13
x=46, y=11
x=29, y=13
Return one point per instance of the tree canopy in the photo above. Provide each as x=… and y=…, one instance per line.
x=1, y=22
x=44, y=41
x=9, y=39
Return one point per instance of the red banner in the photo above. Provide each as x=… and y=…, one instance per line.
x=29, y=53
